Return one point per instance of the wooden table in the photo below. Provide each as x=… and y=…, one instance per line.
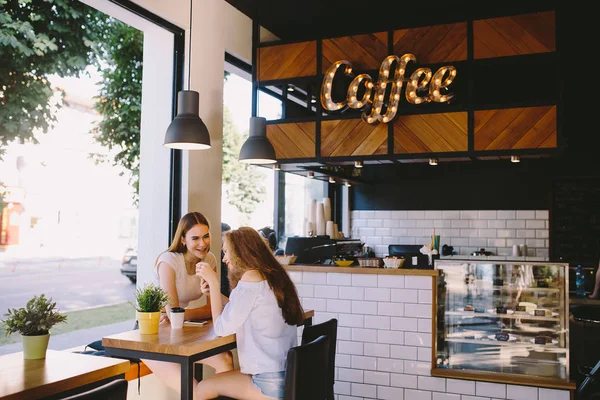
x=183, y=346
x=60, y=373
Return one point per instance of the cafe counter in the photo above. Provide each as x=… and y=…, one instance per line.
x=385, y=329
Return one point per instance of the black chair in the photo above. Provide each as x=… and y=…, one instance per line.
x=115, y=390
x=306, y=371
x=328, y=328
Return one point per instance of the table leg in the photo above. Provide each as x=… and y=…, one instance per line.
x=187, y=379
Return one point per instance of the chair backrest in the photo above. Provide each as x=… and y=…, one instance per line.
x=328, y=328
x=115, y=390
x=306, y=371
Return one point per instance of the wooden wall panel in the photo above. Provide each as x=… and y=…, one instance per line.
x=427, y=133
x=515, y=35
x=516, y=128
x=353, y=137
x=433, y=44
x=293, y=140
x=363, y=51
x=288, y=61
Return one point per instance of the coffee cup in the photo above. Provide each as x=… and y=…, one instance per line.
x=177, y=315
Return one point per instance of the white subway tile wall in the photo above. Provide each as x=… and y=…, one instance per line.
x=384, y=344
x=467, y=230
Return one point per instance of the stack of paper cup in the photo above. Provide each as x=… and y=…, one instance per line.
x=327, y=209
x=320, y=221
x=309, y=230
x=336, y=232
x=329, y=231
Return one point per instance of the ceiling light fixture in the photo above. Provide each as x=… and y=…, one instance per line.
x=187, y=131
x=433, y=161
x=358, y=164
x=348, y=184
x=290, y=88
x=276, y=167
x=331, y=179
x=257, y=149
x=515, y=159
x=310, y=175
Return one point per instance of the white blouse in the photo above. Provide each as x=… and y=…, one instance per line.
x=263, y=337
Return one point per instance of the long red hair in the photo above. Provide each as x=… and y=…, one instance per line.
x=247, y=250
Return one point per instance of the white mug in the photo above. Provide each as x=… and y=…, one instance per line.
x=177, y=319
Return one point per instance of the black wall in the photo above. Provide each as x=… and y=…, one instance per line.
x=567, y=184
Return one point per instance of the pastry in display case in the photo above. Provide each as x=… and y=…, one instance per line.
x=502, y=321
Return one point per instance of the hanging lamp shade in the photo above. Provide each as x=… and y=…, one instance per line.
x=257, y=149
x=187, y=131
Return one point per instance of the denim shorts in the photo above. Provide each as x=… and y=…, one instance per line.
x=270, y=384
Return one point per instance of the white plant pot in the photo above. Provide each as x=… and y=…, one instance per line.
x=34, y=347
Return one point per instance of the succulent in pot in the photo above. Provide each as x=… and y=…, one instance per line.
x=150, y=300
x=34, y=323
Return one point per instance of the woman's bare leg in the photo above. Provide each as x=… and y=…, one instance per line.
x=170, y=373
x=231, y=384
x=222, y=362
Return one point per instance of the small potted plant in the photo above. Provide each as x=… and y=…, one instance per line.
x=33, y=323
x=149, y=301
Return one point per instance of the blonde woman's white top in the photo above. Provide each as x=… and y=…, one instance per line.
x=262, y=335
x=188, y=286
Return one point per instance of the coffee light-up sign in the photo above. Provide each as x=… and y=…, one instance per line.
x=422, y=87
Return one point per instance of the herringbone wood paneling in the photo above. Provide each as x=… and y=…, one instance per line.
x=516, y=128
x=293, y=140
x=432, y=44
x=353, y=137
x=428, y=133
x=511, y=36
x=288, y=61
x=363, y=51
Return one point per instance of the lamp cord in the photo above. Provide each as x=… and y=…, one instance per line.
x=190, y=49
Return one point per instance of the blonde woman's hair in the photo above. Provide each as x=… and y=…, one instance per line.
x=187, y=222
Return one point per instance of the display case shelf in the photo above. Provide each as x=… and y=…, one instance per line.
x=486, y=327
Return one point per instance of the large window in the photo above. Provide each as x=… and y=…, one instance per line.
x=69, y=193
x=247, y=190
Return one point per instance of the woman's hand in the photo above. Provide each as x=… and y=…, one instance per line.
x=164, y=318
x=207, y=274
x=204, y=287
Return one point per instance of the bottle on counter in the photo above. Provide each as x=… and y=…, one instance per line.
x=579, y=282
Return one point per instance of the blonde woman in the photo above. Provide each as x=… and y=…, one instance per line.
x=175, y=272
x=263, y=311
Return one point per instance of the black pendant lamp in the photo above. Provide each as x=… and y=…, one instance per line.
x=257, y=149
x=187, y=131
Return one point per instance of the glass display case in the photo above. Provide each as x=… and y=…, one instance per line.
x=502, y=321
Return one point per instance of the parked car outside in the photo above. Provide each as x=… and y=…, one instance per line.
x=129, y=264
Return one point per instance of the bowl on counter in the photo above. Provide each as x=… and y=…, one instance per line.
x=344, y=263
x=393, y=262
x=287, y=259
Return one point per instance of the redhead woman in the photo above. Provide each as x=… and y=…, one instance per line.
x=175, y=272
x=263, y=311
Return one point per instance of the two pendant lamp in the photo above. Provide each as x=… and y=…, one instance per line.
x=187, y=131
